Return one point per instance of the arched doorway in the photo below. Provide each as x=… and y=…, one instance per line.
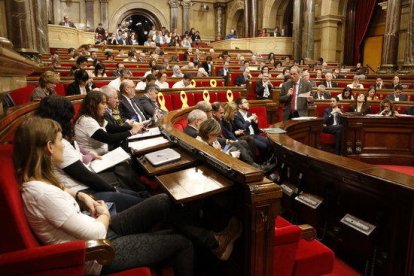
x=239, y=16
x=140, y=21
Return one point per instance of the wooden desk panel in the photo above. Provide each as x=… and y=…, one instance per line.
x=193, y=183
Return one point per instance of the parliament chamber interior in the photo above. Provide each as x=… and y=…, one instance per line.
x=241, y=137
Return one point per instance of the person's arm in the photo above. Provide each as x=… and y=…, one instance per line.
x=240, y=123
x=112, y=128
x=259, y=90
x=80, y=173
x=284, y=95
x=110, y=138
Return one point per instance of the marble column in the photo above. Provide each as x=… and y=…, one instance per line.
x=186, y=14
x=57, y=15
x=297, y=29
x=89, y=13
x=391, y=37
x=246, y=18
x=220, y=9
x=309, y=24
x=21, y=26
x=40, y=15
x=104, y=14
x=253, y=18
x=408, y=65
x=173, y=14
x=328, y=26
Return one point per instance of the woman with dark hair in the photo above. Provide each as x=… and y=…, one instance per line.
x=360, y=105
x=346, y=94
x=372, y=94
x=74, y=172
x=387, y=108
x=99, y=71
x=54, y=212
x=82, y=84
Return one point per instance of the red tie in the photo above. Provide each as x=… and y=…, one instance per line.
x=293, y=99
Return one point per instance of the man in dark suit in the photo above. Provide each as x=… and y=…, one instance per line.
x=128, y=108
x=224, y=72
x=195, y=118
x=328, y=83
x=264, y=88
x=66, y=22
x=124, y=40
x=208, y=65
x=397, y=95
x=243, y=79
x=296, y=105
x=321, y=93
x=336, y=74
x=331, y=118
x=148, y=101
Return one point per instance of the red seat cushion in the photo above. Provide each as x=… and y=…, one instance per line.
x=139, y=271
x=327, y=139
x=313, y=258
x=181, y=124
x=22, y=95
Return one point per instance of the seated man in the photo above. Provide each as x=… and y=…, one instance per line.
x=66, y=22
x=128, y=108
x=328, y=81
x=397, y=95
x=264, y=88
x=185, y=82
x=148, y=102
x=195, y=118
x=231, y=35
x=321, y=93
x=331, y=118
x=149, y=79
x=124, y=74
x=243, y=79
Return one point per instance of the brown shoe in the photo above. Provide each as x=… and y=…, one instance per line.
x=226, y=239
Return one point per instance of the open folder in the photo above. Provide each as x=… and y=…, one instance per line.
x=109, y=160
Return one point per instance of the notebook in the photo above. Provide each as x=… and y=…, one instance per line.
x=151, y=132
x=110, y=159
x=163, y=156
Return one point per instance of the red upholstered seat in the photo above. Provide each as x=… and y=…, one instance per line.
x=295, y=256
x=260, y=111
x=327, y=139
x=181, y=124
x=22, y=95
x=20, y=252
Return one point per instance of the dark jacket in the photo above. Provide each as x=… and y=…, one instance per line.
x=241, y=123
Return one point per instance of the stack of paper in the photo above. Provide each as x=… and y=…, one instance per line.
x=147, y=143
x=155, y=131
x=110, y=159
x=276, y=130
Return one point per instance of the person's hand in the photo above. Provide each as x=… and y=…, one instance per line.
x=235, y=154
x=95, y=155
x=101, y=208
x=290, y=91
x=129, y=122
x=239, y=132
x=87, y=203
x=137, y=127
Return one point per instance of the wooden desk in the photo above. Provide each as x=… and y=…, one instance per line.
x=380, y=197
x=379, y=140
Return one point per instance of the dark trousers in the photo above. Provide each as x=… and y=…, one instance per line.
x=337, y=131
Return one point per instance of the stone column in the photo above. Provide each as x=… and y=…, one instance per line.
x=309, y=23
x=89, y=12
x=391, y=37
x=297, y=29
x=186, y=14
x=246, y=18
x=104, y=14
x=21, y=26
x=173, y=14
x=253, y=18
x=57, y=15
x=40, y=15
x=408, y=65
x=220, y=16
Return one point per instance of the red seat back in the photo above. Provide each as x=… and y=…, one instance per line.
x=15, y=231
x=181, y=124
x=260, y=111
x=22, y=95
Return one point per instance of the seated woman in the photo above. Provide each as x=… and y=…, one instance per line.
x=346, y=94
x=162, y=80
x=74, y=172
x=54, y=212
x=99, y=71
x=202, y=73
x=209, y=131
x=360, y=105
x=82, y=85
x=94, y=133
x=355, y=83
x=387, y=108
x=47, y=84
x=372, y=94
x=177, y=72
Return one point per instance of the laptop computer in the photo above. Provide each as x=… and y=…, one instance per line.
x=161, y=157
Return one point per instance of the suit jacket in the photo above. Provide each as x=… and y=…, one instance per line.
x=403, y=97
x=328, y=118
x=127, y=111
x=189, y=130
x=221, y=72
x=70, y=24
x=302, y=103
x=227, y=130
x=74, y=89
x=333, y=84
x=146, y=105
x=127, y=42
x=241, y=123
x=364, y=110
x=207, y=68
x=112, y=122
x=260, y=88
x=241, y=80
x=325, y=96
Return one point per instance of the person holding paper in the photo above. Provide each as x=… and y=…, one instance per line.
x=74, y=172
x=295, y=95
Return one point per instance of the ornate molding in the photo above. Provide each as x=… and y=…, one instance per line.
x=220, y=5
x=173, y=3
x=186, y=4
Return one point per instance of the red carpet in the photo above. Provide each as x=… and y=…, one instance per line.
x=342, y=269
x=409, y=170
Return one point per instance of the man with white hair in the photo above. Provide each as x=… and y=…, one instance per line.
x=328, y=83
x=321, y=93
x=128, y=107
x=295, y=94
x=195, y=118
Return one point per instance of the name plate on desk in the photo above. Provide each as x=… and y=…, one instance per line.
x=358, y=224
x=309, y=200
x=193, y=183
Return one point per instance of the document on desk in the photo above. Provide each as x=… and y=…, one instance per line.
x=109, y=160
x=274, y=130
x=304, y=95
x=147, y=143
x=151, y=132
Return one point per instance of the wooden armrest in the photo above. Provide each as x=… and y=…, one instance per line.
x=308, y=232
x=99, y=250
